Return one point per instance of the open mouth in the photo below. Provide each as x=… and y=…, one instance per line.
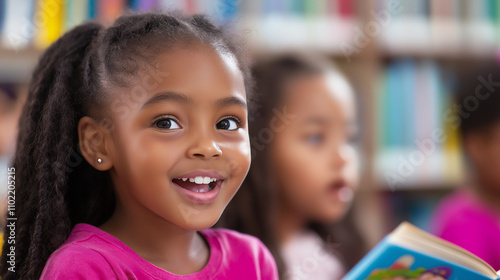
x=197, y=184
x=341, y=191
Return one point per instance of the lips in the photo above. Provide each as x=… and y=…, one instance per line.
x=341, y=191
x=199, y=186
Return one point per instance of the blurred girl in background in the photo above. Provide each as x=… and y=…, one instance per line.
x=304, y=171
x=470, y=217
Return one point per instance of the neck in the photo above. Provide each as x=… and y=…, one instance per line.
x=288, y=223
x=158, y=241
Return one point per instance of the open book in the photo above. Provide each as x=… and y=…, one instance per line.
x=411, y=253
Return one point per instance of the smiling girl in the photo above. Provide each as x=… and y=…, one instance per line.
x=133, y=141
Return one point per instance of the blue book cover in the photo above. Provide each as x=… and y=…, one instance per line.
x=395, y=102
x=407, y=105
x=411, y=253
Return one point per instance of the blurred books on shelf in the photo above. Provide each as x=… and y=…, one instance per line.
x=417, y=135
x=449, y=28
x=426, y=28
x=290, y=25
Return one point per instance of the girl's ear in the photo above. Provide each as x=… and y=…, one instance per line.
x=92, y=141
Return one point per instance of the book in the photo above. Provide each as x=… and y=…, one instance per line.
x=17, y=28
x=49, y=16
x=411, y=253
x=77, y=11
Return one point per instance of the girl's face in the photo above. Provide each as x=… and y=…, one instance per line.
x=312, y=154
x=180, y=143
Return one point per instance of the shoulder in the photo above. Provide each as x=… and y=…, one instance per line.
x=460, y=214
x=461, y=206
x=458, y=198
x=458, y=204
x=83, y=256
x=77, y=262
x=245, y=249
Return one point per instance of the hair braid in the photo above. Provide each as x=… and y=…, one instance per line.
x=45, y=141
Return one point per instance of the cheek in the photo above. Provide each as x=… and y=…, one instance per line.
x=238, y=160
x=300, y=173
x=146, y=158
x=352, y=167
x=151, y=154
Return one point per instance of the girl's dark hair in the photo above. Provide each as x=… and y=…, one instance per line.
x=478, y=98
x=55, y=187
x=252, y=208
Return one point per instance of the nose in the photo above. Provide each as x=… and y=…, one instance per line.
x=341, y=155
x=204, y=148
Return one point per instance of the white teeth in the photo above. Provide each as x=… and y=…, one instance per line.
x=198, y=180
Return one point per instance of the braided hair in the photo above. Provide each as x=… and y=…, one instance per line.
x=55, y=187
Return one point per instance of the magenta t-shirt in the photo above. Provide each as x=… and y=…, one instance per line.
x=91, y=253
x=464, y=220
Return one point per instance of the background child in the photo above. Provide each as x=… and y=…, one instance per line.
x=304, y=170
x=470, y=217
x=157, y=106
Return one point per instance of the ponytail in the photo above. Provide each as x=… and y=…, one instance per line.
x=45, y=142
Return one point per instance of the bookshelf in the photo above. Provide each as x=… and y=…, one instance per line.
x=379, y=44
x=16, y=66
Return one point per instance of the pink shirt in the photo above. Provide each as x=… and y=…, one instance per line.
x=91, y=253
x=463, y=220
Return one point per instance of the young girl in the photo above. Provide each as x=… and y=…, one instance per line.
x=133, y=141
x=303, y=174
x=470, y=217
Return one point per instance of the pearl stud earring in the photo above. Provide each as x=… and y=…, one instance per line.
x=99, y=160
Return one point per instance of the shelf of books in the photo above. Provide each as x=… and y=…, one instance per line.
x=402, y=56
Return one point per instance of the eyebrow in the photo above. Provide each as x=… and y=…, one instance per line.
x=316, y=120
x=324, y=121
x=229, y=101
x=181, y=98
x=167, y=96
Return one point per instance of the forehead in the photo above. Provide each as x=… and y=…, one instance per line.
x=196, y=70
x=327, y=95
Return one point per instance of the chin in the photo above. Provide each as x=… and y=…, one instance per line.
x=333, y=215
x=199, y=222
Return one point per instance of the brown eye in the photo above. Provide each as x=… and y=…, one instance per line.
x=228, y=124
x=166, y=123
